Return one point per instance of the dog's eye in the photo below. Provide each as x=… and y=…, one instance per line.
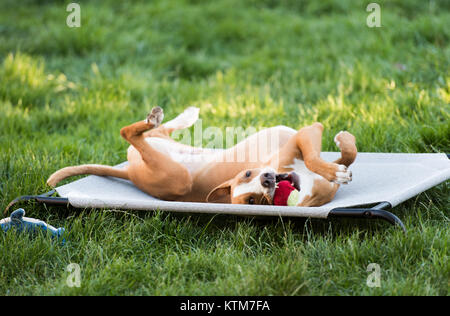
x=248, y=173
x=251, y=200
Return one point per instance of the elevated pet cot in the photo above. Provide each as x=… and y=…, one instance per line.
x=380, y=179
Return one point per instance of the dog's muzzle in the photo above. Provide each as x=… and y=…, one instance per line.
x=292, y=177
x=268, y=181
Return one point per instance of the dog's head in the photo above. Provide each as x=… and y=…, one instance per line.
x=251, y=186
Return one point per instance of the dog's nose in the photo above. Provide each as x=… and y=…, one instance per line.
x=268, y=179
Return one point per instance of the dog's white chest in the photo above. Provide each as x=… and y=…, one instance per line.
x=307, y=178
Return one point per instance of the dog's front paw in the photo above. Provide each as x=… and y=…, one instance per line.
x=343, y=175
x=344, y=139
x=155, y=117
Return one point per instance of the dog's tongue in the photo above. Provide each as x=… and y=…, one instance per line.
x=282, y=192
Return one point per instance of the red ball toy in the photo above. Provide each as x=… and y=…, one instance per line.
x=282, y=192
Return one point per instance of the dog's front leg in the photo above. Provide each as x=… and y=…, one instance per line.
x=309, y=142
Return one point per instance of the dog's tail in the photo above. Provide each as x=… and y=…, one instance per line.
x=99, y=170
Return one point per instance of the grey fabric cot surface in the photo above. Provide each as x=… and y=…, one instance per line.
x=377, y=177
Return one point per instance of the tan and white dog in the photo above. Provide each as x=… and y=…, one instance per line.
x=169, y=170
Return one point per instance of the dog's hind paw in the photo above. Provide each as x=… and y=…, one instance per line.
x=155, y=117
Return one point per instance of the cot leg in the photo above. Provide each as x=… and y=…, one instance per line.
x=45, y=198
x=376, y=212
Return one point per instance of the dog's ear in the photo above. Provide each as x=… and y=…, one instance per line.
x=221, y=193
x=266, y=200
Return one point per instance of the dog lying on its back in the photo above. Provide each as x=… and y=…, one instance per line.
x=169, y=170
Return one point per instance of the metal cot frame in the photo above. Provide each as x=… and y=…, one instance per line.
x=375, y=212
x=378, y=211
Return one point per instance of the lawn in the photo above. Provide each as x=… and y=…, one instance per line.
x=66, y=92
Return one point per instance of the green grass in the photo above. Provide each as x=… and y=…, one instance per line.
x=65, y=93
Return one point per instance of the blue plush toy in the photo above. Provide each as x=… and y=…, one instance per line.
x=27, y=224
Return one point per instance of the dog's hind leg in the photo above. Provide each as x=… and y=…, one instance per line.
x=149, y=169
x=182, y=121
x=134, y=134
x=130, y=133
x=153, y=121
